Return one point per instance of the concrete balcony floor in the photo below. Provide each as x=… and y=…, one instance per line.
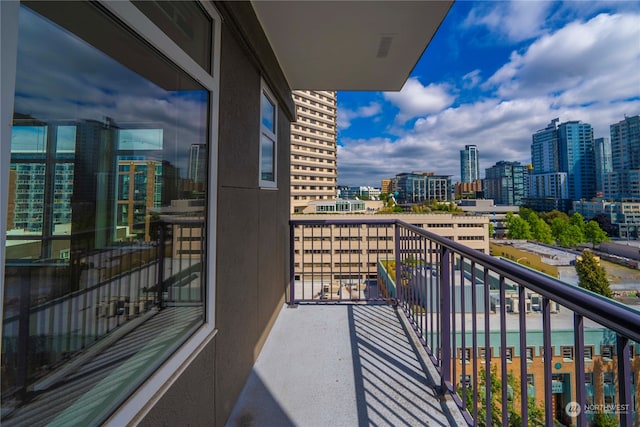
x=342, y=365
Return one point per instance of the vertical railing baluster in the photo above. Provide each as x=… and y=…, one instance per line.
x=452, y=319
x=546, y=331
x=624, y=380
x=578, y=337
x=445, y=319
x=487, y=350
x=463, y=333
x=503, y=351
x=292, y=263
x=162, y=236
x=439, y=303
x=474, y=340
x=524, y=384
x=398, y=262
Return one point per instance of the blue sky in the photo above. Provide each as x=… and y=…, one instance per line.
x=494, y=73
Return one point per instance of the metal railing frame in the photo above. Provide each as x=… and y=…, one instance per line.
x=622, y=320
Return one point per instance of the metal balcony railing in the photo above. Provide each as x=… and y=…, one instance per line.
x=512, y=346
x=60, y=314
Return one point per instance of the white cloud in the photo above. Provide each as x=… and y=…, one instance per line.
x=515, y=21
x=501, y=129
x=584, y=62
x=415, y=100
x=346, y=116
x=471, y=79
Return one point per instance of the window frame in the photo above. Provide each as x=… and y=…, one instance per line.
x=141, y=400
x=271, y=135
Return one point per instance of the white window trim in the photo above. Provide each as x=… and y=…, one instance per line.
x=9, y=12
x=264, y=184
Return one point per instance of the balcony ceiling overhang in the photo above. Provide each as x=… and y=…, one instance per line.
x=349, y=45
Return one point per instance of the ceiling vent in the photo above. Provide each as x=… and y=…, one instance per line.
x=384, y=46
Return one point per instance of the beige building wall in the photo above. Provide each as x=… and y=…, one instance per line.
x=352, y=252
x=313, y=148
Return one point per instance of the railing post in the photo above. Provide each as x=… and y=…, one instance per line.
x=292, y=263
x=578, y=334
x=445, y=320
x=624, y=383
x=546, y=335
x=162, y=237
x=22, y=348
x=398, y=257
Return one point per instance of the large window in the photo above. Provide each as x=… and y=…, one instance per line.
x=268, y=139
x=106, y=271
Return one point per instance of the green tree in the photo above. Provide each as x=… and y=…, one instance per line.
x=548, y=217
x=536, y=413
x=578, y=220
x=557, y=226
x=518, y=228
x=492, y=230
x=591, y=275
x=540, y=230
x=602, y=419
x=570, y=236
x=594, y=234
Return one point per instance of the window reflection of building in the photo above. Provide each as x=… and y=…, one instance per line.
x=73, y=274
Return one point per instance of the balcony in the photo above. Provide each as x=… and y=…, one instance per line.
x=387, y=323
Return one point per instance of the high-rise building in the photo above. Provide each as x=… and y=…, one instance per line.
x=602, y=156
x=469, y=164
x=506, y=183
x=576, y=155
x=314, y=169
x=625, y=143
x=197, y=172
x=622, y=182
x=563, y=165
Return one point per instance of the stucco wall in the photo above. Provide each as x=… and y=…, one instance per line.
x=252, y=232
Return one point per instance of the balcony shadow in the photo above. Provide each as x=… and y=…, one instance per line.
x=391, y=380
x=257, y=406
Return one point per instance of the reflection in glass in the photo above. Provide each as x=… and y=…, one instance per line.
x=106, y=216
x=267, y=168
x=268, y=114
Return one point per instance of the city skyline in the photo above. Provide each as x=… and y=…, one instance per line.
x=493, y=75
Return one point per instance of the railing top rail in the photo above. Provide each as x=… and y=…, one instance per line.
x=609, y=313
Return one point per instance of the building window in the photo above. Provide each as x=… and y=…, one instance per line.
x=588, y=352
x=607, y=352
x=509, y=354
x=530, y=354
x=588, y=378
x=567, y=353
x=120, y=130
x=268, y=139
x=531, y=380
x=607, y=377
